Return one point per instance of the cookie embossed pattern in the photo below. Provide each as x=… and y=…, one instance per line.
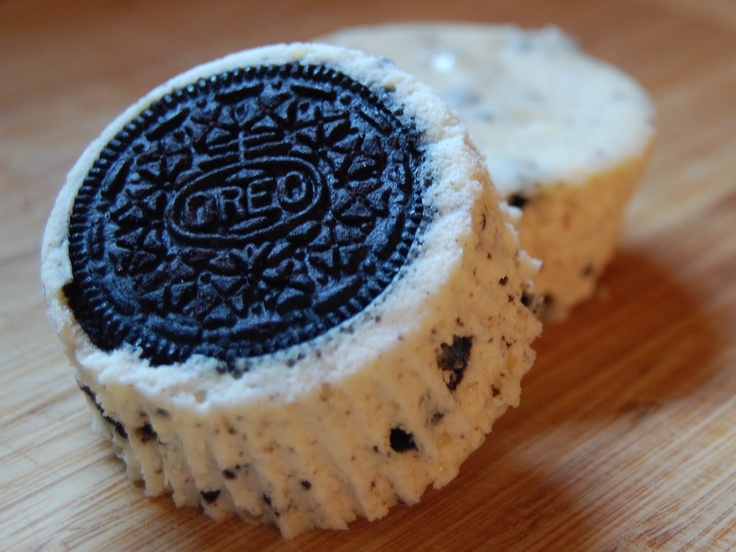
x=288, y=288
x=243, y=214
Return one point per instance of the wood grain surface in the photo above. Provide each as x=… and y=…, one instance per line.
x=626, y=435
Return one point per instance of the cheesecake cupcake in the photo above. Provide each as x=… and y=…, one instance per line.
x=566, y=136
x=288, y=288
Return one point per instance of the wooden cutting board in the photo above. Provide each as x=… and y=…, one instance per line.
x=626, y=435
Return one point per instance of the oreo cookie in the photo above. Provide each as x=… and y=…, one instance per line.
x=244, y=213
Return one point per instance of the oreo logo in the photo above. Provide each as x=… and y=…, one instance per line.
x=244, y=214
x=247, y=203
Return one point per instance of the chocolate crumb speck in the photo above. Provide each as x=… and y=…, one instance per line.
x=518, y=200
x=453, y=359
x=210, y=496
x=306, y=485
x=146, y=433
x=401, y=440
x=436, y=417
